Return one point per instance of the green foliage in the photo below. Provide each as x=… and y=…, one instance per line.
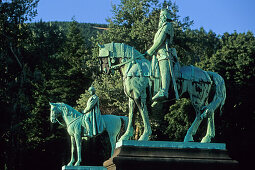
x=68, y=75
x=179, y=119
x=235, y=59
x=200, y=44
x=110, y=90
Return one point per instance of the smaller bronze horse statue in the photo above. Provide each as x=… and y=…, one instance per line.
x=74, y=121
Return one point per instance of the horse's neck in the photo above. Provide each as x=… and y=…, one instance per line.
x=125, y=68
x=69, y=115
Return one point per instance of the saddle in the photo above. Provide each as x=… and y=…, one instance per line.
x=194, y=74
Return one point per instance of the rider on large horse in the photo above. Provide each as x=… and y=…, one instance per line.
x=162, y=39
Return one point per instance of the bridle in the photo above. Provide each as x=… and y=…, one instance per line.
x=114, y=67
x=55, y=117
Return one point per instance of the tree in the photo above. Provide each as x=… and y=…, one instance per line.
x=234, y=60
x=15, y=77
x=70, y=77
x=179, y=119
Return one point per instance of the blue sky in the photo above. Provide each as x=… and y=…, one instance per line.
x=217, y=15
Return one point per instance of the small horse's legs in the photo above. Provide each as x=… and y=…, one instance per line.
x=72, y=152
x=193, y=129
x=130, y=130
x=112, y=138
x=210, y=130
x=144, y=113
x=78, y=146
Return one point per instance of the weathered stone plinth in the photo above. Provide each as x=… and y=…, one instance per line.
x=170, y=155
x=83, y=168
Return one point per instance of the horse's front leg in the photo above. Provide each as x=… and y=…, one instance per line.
x=112, y=138
x=78, y=146
x=130, y=130
x=146, y=122
x=72, y=152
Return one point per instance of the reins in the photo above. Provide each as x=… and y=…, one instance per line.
x=74, y=120
x=69, y=122
x=126, y=62
x=59, y=122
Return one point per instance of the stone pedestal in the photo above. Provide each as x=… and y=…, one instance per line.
x=170, y=155
x=83, y=168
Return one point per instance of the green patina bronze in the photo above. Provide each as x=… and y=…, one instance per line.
x=162, y=40
x=135, y=69
x=93, y=121
x=166, y=144
x=138, y=77
x=76, y=128
x=163, y=72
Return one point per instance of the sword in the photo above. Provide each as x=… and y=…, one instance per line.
x=172, y=73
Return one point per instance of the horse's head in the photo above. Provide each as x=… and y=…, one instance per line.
x=54, y=112
x=108, y=58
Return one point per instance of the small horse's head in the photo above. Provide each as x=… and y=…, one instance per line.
x=54, y=112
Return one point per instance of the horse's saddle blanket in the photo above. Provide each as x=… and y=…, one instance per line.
x=194, y=74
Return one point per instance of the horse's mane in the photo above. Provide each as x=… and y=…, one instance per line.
x=70, y=110
x=122, y=50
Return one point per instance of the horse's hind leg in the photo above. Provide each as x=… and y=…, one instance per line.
x=193, y=129
x=210, y=130
x=72, y=152
x=130, y=130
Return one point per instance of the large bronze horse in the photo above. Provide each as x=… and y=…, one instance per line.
x=138, y=77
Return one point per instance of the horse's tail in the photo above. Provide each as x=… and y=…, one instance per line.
x=124, y=121
x=124, y=124
x=219, y=89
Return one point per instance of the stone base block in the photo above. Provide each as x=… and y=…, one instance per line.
x=170, y=155
x=83, y=168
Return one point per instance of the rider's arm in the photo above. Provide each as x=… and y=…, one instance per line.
x=158, y=41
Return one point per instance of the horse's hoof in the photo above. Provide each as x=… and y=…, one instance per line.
x=188, y=139
x=77, y=164
x=124, y=137
x=70, y=164
x=144, y=138
x=206, y=139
